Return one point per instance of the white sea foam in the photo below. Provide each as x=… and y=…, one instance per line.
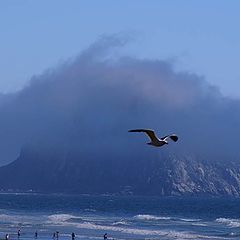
x=19, y=220
x=136, y=231
x=120, y=223
x=229, y=222
x=122, y=226
x=150, y=217
x=16, y=219
x=190, y=219
x=61, y=218
x=199, y=224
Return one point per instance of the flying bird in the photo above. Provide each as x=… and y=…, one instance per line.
x=155, y=141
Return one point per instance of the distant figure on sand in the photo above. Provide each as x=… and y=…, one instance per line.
x=18, y=234
x=7, y=237
x=73, y=235
x=57, y=234
x=105, y=236
x=54, y=235
x=36, y=234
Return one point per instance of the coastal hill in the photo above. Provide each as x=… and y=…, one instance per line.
x=70, y=125
x=168, y=175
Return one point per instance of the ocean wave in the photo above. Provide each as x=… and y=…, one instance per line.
x=190, y=219
x=199, y=224
x=136, y=231
x=146, y=232
x=19, y=220
x=61, y=219
x=120, y=226
x=229, y=222
x=120, y=223
x=150, y=217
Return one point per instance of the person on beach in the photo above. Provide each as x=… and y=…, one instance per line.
x=57, y=234
x=73, y=236
x=105, y=236
x=18, y=233
x=36, y=234
x=7, y=237
x=54, y=235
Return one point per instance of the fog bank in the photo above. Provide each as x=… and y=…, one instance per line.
x=86, y=105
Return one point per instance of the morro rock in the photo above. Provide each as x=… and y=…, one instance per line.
x=167, y=175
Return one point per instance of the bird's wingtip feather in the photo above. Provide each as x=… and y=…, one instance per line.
x=174, y=137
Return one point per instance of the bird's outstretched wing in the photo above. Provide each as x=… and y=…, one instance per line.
x=149, y=132
x=173, y=137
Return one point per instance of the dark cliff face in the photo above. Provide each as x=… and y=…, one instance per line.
x=167, y=175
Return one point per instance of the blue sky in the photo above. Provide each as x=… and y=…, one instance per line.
x=199, y=36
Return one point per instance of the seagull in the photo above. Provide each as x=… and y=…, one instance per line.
x=155, y=141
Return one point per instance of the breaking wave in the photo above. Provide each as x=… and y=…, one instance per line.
x=229, y=222
x=136, y=231
x=119, y=226
x=150, y=217
x=58, y=218
x=190, y=219
x=120, y=223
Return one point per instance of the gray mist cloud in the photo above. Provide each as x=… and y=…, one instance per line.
x=86, y=106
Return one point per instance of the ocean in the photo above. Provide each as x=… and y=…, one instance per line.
x=121, y=217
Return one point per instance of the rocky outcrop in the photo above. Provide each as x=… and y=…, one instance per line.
x=189, y=176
